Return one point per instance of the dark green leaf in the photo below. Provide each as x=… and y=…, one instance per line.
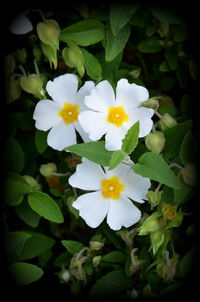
x=84, y=33
x=14, y=155
x=41, y=140
x=29, y=216
x=72, y=246
x=15, y=190
x=114, y=256
x=153, y=166
x=45, y=206
x=92, y=65
x=187, y=263
x=149, y=45
x=131, y=138
x=94, y=151
x=187, y=152
x=25, y=273
x=171, y=57
x=166, y=15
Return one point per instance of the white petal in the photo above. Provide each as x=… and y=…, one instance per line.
x=92, y=208
x=121, y=170
x=61, y=136
x=88, y=176
x=136, y=186
x=81, y=131
x=93, y=123
x=82, y=93
x=46, y=115
x=143, y=115
x=63, y=88
x=130, y=95
x=114, y=138
x=101, y=97
x=122, y=212
x=21, y=25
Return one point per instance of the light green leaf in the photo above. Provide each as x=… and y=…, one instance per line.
x=149, y=45
x=94, y=151
x=72, y=246
x=114, y=256
x=25, y=213
x=131, y=138
x=36, y=245
x=84, y=33
x=116, y=158
x=41, y=140
x=45, y=206
x=115, y=44
x=92, y=65
x=25, y=273
x=120, y=15
x=153, y=166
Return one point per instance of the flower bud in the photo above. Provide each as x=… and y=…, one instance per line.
x=155, y=141
x=168, y=210
x=189, y=174
x=151, y=224
x=48, y=32
x=64, y=275
x=167, y=268
x=157, y=239
x=73, y=57
x=167, y=121
x=96, y=260
x=32, y=84
x=35, y=186
x=151, y=103
x=47, y=170
x=96, y=242
x=154, y=198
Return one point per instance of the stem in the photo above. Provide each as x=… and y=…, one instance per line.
x=144, y=66
x=158, y=187
x=41, y=14
x=176, y=166
x=36, y=67
x=23, y=70
x=158, y=114
x=82, y=251
x=61, y=174
x=167, y=258
x=132, y=255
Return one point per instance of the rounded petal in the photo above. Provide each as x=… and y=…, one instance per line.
x=121, y=170
x=101, y=97
x=83, y=134
x=143, y=115
x=122, y=212
x=93, y=123
x=46, y=115
x=63, y=88
x=114, y=138
x=136, y=186
x=88, y=176
x=130, y=95
x=21, y=25
x=92, y=207
x=61, y=136
x=82, y=93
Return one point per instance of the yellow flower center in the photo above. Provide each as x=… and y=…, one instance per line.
x=69, y=113
x=117, y=116
x=112, y=188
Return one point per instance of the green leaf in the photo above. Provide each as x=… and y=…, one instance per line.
x=164, y=67
x=36, y=245
x=187, y=262
x=184, y=193
x=149, y=45
x=41, y=140
x=84, y=33
x=111, y=284
x=174, y=137
x=153, y=166
x=94, y=151
x=25, y=213
x=131, y=138
x=92, y=65
x=171, y=57
x=14, y=155
x=120, y=15
x=116, y=158
x=115, y=44
x=72, y=246
x=25, y=273
x=45, y=206
x=166, y=15
x=114, y=256
x=187, y=152
x=15, y=190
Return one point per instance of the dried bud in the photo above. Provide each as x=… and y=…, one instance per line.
x=155, y=141
x=96, y=260
x=189, y=174
x=167, y=121
x=151, y=103
x=167, y=268
x=47, y=170
x=96, y=242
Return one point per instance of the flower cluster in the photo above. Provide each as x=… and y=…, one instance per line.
x=94, y=111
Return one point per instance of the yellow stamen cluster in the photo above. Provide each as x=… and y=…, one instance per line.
x=69, y=113
x=112, y=188
x=117, y=116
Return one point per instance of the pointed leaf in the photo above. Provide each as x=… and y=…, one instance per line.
x=25, y=273
x=72, y=246
x=116, y=159
x=92, y=65
x=131, y=139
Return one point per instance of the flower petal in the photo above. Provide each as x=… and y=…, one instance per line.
x=101, y=97
x=93, y=123
x=92, y=208
x=143, y=115
x=136, y=186
x=82, y=93
x=88, y=176
x=61, y=136
x=46, y=115
x=121, y=170
x=82, y=132
x=130, y=95
x=21, y=25
x=114, y=137
x=63, y=88
x=122, y=212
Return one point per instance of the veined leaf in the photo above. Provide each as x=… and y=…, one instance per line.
x=92, y=65
x=72, y=246
x=116, y=159
x=131, y=139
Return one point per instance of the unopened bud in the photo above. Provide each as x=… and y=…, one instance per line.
x=35, y=186
x=168, y=210
x=167, y=121
x=64, y=276
x=189, y=174
x=32, y=84
x=151, y=224
x=151, y=103
x=47, y=170
x=154, y=198
x=96, y=260
x=48, y=32
x=96, y=242
x=155, y=141
x=167, y=268
x=73, y=57
x=157, y=239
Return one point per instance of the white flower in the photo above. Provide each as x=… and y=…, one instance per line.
x=114, y=115
x=111, y=197
x=61, y=114
x=21, y=24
